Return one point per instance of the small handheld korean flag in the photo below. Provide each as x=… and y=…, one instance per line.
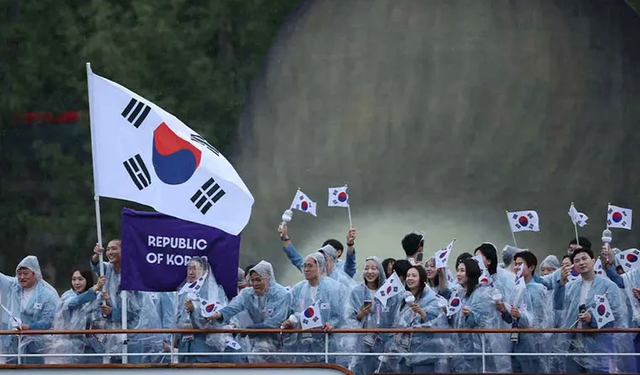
x=208, y=308
x=455, y=304
x=578, y=218
x=390, y=288
x=573, y=275
x=480, y=261
x=619, y=217
x=311, y=317
x=338, y=197
x=442, y=256
x=521, y=221
x=302, y=203
x=629, y=259
x=520, y=284
x=602, y=311
x=15, y=321
x=484, y=278
x=193, y=287
x=597, y=267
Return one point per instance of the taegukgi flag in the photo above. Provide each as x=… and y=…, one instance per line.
x=602, y=312
x=619, y=217
x=310, y=317
x=391, y=287
x=629, y=259
x=577, y=217
x=338, y=197
x=442, y=256
x=144, y=154
x=524, y=221
x=302, y=203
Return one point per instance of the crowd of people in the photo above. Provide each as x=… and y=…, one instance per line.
x=553, y=296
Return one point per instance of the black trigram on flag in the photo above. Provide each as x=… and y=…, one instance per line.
x=198, y=138
x=135, y=112
x=138, y=172
x=207, y=195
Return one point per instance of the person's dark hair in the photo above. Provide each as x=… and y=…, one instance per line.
x=472, y=269
x=489, y=251
x=582, y=250
x=87, y=274
x=401, y=266
x=584, y=242
x=529, y=257
x=248, y=268
x=422, y=275
x=436, y=280
x=411, y=242
x=462, y=257
x=385, y=265
x=567, y=256
x=335, y=243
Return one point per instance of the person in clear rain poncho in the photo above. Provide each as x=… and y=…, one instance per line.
x=139, y=314
x=199, y=294
x=267, y=304
x=478, y=311
x=365, y=311
x=325, y=292
x=528, y=307
x=78, y=311
x=31, y=304
x=420, y=308
x=577, y=300
x=331, y=260
x=437, y=279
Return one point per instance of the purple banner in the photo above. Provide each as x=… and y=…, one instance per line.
x=156, y=249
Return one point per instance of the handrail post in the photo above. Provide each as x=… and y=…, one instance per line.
x=326, y=347
x=19, y=349
x=172, y=356
x=484, y=360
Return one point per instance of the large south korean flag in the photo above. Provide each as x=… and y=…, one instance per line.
x=144, y=154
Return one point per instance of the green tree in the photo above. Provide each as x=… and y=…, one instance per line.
x=193, y=58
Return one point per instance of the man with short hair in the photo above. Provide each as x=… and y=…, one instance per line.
x=33, y=304
x=413, y=245
x=577, y=300
x=528, y=309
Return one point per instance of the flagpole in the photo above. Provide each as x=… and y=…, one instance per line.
x=513, y=235
x=349, y=213
x=96, y=197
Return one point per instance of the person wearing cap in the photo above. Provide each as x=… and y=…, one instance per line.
x=32, y=304
x=348, y=267
x=331, y=259
x=507, y=258
x=316, y=290
x=267, y=304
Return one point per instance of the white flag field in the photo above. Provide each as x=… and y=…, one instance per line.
x=521, y=221
x=143, y=154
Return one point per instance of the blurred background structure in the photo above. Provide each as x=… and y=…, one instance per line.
x=439, y=115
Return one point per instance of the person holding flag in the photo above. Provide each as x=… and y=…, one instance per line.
x=316, y=292
x=478, y=311
x=502, y=279
x=199, y=297
x=527, y=308
x=331, y=260
x=436, y=278
x=137, y=316
x=28, y=303
x=419, y=309
x=348, y=267
x=267, y=304
x=577, y=299
x=366, y=311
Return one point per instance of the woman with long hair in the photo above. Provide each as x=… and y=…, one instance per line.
x=80, y=310
x=365, y=311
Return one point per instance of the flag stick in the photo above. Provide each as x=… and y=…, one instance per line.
x=349, y=213
x=96, y=197
x=513, y=235
x=575, y=227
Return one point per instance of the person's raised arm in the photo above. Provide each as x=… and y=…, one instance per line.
x=289, y=249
